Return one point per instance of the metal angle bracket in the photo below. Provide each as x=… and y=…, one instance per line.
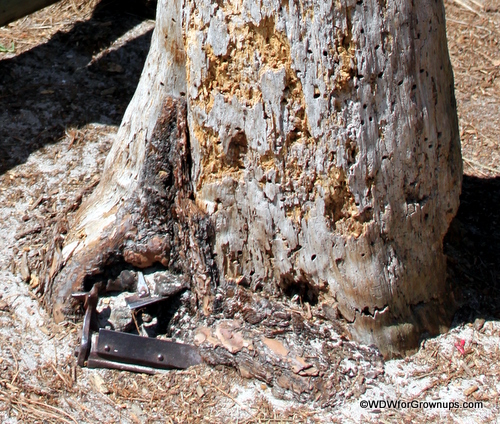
x=128, y=352
x=145, y=351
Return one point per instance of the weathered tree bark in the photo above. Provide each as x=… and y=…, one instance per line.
x=305, y=148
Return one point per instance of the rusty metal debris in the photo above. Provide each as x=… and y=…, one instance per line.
x=101, y=348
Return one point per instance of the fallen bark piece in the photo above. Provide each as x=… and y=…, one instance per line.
x=231, y=339
x=299, y=364
x=276, y=346
x=205, y=334
x=302, y=364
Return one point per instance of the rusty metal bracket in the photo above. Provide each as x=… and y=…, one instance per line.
x=128, y=352
x=145, y=351
x=89, y=303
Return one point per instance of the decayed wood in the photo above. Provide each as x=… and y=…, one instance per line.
x=159, y=224
x=322, y=161
x=273, y=342
x=10, y=10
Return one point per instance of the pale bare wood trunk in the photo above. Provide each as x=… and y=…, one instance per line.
x=305, y=148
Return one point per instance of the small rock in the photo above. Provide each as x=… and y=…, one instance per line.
x=114, y=313
x=167, y=284
x=114, y=68
x=331, y=312
x=121, y=318
x=126, y=281
x=108, y=91
x=479, y=323
x=147, y=318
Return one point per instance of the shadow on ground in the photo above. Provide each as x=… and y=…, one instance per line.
x=56, y=86
x=473, y=249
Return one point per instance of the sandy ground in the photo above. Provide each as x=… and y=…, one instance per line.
x=66, y=76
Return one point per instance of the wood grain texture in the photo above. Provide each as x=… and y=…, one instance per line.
x=324, y=158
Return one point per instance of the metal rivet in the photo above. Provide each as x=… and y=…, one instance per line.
x=160, y=357
x=106, y=348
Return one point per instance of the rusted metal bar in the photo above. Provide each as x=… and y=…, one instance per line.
x=95, y=361
x=90, y=303
x=128, y=352
x=149, y=352
x=11, y=10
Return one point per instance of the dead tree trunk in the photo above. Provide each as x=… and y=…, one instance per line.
x=305, y=148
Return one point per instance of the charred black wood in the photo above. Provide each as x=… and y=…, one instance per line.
x=159, y=226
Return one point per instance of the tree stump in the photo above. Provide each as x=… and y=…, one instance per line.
x=305, y=149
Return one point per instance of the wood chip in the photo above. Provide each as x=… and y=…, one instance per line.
x=471, y=390
x=45, y=330
x=200, y=391
x=25, y=269
x=276, y=346
x=99, y=384
x=34, y=281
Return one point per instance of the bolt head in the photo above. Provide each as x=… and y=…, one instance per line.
x=160, y=357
